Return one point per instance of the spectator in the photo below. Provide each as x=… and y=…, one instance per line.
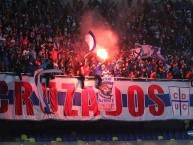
x=30, y=35
x=98, y=74
x=81, y=74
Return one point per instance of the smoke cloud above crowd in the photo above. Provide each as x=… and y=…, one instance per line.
x=106, y=38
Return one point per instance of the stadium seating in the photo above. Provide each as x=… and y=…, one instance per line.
x=49, y=131
x=168, y=135
x=130, y=136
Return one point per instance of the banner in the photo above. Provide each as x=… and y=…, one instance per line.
x=116, y=99
x=145, y=51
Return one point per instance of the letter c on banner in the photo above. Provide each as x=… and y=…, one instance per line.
x=175, y=96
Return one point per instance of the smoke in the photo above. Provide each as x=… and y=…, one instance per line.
x=105, y=36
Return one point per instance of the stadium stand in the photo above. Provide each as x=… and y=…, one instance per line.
x=30, y=29
x=59, y=131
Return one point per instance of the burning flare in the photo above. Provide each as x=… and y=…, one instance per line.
x=102, y=53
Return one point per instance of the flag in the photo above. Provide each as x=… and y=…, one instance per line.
x=38, y=87
x=145, y=51
x=90, y=39
x=136, y=53
x=156, y=53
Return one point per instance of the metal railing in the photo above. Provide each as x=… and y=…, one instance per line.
x=92, y=77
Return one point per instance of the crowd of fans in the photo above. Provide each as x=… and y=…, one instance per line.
x=34, y=33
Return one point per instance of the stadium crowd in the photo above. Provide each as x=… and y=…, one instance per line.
x=34, y=33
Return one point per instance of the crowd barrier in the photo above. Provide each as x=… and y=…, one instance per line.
x=92, y=77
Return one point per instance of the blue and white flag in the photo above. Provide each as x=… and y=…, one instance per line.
x=38, y=87
x=90, y=39
x=145, y=51
x=156, y=53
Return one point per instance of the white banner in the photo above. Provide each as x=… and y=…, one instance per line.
x=64, y=99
